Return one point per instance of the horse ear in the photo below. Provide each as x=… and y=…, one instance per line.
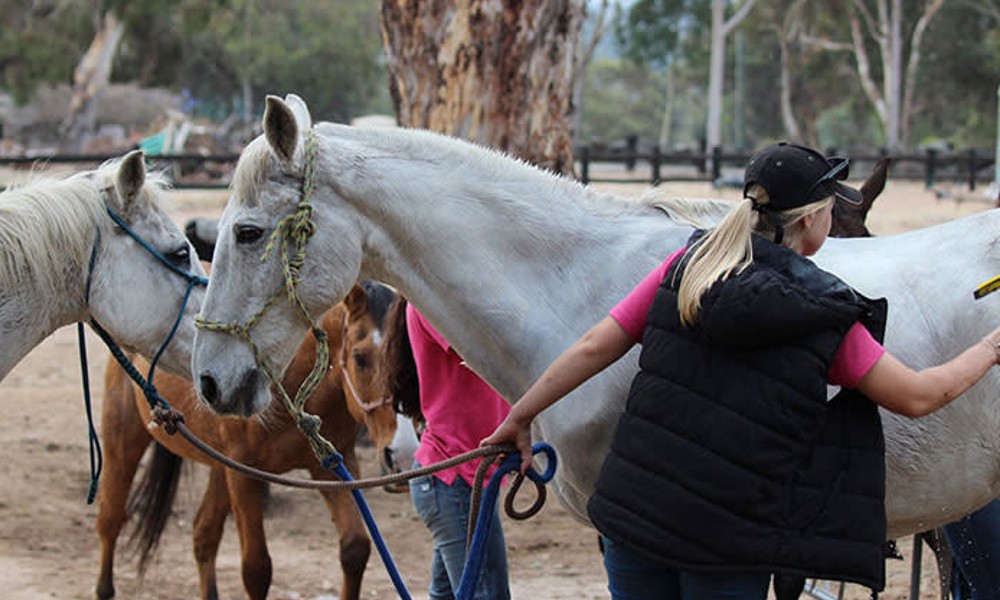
x=131, y=176
x=875, y=183
x=356, y=301
x=281, y=128
x=300, y=110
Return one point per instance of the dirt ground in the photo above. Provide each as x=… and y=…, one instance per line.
x=48, y=547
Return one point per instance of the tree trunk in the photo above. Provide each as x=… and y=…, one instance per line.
x=716, y=73
x=717, y=61
x=90, y=78
x=495, y=72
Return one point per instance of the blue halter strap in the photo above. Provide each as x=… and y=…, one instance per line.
x=96, y=458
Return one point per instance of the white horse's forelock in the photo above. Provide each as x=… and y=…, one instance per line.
x=49, y=219
x=251, y=169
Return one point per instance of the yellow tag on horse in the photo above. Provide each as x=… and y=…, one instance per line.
x=987, y=288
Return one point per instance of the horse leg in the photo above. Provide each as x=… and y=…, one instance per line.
x=123, y=449
x=355, y=545
x=208, y=525
x=246, y=497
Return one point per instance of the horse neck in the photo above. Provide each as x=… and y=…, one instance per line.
x=33, y=310
x=524, y=264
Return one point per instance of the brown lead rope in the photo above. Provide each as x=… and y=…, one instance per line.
x=173, y=421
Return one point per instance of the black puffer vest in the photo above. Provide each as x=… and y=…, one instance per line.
x=729, y=456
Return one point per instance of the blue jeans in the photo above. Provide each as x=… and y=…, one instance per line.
x=632, y=576
x=445, y=510
x=975, y=543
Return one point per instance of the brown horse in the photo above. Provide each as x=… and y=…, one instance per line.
x=272, y=443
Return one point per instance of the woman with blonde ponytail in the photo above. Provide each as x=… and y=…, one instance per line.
x=732, y=461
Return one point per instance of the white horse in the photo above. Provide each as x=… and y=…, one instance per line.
x=58, y=241
x=512, y=264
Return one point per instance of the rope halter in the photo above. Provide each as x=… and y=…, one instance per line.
x=288, y=243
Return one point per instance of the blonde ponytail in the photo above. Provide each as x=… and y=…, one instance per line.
x=728, y=248
x=715, y=256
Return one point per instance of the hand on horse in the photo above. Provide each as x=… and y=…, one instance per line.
x=512, y=431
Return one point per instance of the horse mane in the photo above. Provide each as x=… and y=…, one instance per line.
x=701, y=213
x=48, y=226
x=522, y=180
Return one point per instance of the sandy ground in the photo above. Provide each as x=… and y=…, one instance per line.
x=48, y=547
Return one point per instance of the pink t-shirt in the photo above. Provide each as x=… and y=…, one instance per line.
x=459, y=407
x=857, y=354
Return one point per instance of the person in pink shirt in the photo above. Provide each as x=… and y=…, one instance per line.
x=459, y=409
x=731, y=460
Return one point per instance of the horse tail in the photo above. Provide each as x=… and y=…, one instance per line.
x=151, y=501
x=397, y=370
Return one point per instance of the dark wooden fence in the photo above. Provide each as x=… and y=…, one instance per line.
x=631, y=165
x=931, y=166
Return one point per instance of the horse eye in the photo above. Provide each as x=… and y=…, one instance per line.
x=247, y=234
x=360, y=360
x=180, y=257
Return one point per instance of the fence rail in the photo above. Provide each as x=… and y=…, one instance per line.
x=930, y=166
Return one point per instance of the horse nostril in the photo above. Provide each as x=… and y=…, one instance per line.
x=209, y=390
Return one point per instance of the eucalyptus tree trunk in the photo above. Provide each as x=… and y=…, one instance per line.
x=721, y=27
x=496, y=72
x=90, y=78
x=893, y=103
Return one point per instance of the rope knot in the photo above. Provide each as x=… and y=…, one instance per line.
x=302, y=227
x=310, y=424
x=168, y=418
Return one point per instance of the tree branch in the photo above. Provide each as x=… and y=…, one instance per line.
x=734, y=20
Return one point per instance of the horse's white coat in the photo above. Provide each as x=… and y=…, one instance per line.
x=512, y=265
x=48, y=230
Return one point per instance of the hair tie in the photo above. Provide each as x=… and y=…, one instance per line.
x=755, y=206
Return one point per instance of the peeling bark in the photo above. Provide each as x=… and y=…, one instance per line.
x=495, y=72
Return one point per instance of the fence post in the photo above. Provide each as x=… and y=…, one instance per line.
x=654, y=161
x=585, y=165
x=929, y=168
x=631, y=148
x=716, y=165
x=972, y=169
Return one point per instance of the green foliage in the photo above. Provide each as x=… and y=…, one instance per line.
x=621, y=99
x=40, y=42
x=328, y=52
x=656, y=32
x=331, y=54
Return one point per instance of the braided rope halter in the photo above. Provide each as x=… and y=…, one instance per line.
x=289, y=240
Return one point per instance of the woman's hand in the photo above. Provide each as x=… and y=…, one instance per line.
x=514, y=431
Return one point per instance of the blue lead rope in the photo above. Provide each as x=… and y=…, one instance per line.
x=484, y=522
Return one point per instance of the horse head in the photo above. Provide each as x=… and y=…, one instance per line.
x=280, y=258
x=363, y=327
x=849, y=219
x=143, y=268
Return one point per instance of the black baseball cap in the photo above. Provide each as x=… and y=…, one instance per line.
x=795, y=175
